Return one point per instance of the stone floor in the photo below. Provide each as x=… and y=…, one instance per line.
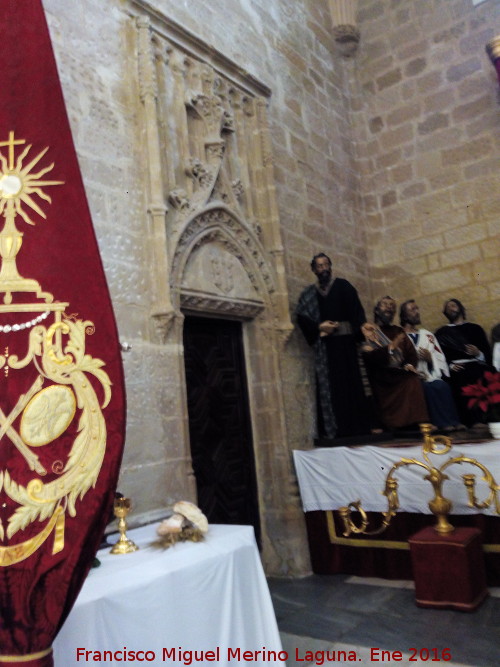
x=352, y=614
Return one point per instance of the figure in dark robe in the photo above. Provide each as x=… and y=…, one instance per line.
x=391, y=362
x=330, y=316
x=468, y=353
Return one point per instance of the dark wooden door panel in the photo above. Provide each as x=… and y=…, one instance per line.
x=219, y=423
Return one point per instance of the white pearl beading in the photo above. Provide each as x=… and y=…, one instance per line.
x=7, y=328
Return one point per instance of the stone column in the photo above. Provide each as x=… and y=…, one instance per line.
x=272, y=232
x=177, y=62
x=162, y=309
x=242, y=154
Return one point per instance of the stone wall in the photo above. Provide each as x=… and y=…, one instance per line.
x=426, y=112
x=286, y=46
x=387, y=161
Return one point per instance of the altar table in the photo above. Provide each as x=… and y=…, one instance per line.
x=199, y=596
x=330, y=478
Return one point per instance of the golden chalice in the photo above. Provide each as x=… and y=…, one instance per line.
x=124, y=545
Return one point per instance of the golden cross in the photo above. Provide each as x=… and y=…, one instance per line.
x=11, y=142
x=7, y=429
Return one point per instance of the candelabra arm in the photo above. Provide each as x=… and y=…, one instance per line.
x=469, y=481
x=351, y=527
x=432, y=442
x=439, y=505
x=390, y=492
x=409, y=462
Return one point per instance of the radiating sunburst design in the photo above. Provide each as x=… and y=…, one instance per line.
x=18, y=183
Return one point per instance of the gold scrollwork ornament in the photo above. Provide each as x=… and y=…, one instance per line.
x=69, y=369
x=439, y=505
x=58, y=354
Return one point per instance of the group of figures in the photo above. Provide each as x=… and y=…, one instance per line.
x=412, y=375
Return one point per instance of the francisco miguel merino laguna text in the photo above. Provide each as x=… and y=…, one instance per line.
x=188, y=657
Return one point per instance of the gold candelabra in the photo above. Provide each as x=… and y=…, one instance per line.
x=439, y=505
x=121, y=508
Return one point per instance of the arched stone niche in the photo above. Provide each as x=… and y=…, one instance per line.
x=220, y=268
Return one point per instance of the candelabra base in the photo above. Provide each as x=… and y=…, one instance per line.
x=448, y=569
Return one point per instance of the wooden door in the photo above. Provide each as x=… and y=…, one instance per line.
x=219, y=421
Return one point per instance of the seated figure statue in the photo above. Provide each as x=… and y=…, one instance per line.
x=468, y=354
x=432, y=368
x=391, y=361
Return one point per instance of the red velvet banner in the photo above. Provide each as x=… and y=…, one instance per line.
x=62, y=400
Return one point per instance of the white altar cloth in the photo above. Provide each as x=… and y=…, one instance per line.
x=190, y=597
x=330, y=478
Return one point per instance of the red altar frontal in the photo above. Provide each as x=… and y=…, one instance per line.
x=388, y=555
x=333, y=478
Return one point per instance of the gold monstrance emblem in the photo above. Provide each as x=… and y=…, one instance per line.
x=56, y=347
x=17, y=184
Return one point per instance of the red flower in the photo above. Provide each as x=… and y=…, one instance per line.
x=485, y=394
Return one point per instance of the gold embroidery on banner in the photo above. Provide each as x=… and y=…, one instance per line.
x=17, y=184
x=29, y=657
x=2, y=531
x=56, y=348
x=59, y=533
x=19, y=552
x=47, y=415
x=39, y=500
x=6, y=428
